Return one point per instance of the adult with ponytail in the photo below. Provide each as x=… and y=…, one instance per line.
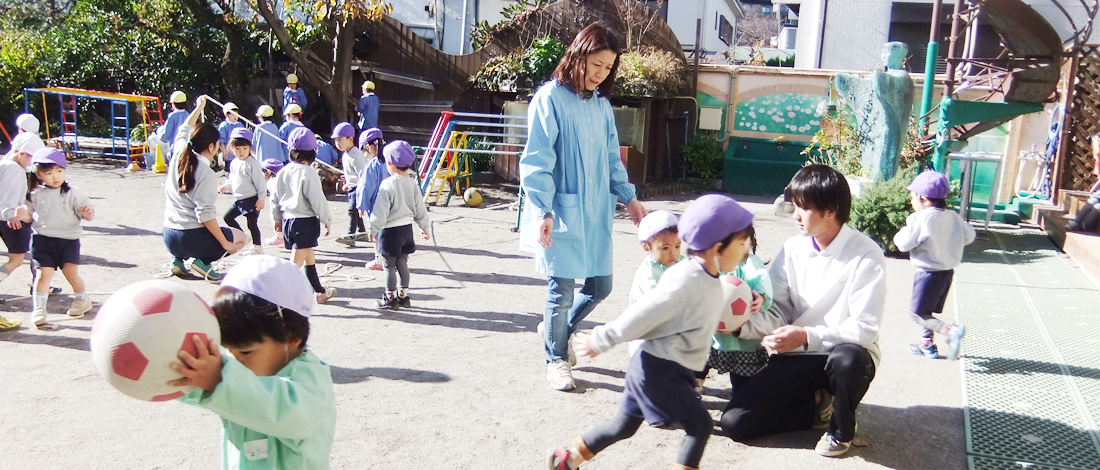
x=191, y=228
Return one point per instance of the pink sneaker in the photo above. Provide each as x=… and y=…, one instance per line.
x=374, y=265
x=274, y=241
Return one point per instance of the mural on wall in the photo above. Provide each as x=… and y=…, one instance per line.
x=781, y=113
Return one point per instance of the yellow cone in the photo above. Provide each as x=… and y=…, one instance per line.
x=160, y=166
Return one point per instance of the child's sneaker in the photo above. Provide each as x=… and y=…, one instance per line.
x=374, y=265
x=206, y=270
x=558, y=460
x=329, y=293
x=257, y=249
x=829, y=446
x=79, y=308
x=274, y=241
x=38, y=317
x=178, y=268
x=1072, y=226
x=347, y=240
x=403, y=301
x=954, y=341
x=6, y=324
x=388, y=301
x=928, y=350
x=362, y=237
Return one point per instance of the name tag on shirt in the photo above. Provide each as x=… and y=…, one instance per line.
x=256, y=450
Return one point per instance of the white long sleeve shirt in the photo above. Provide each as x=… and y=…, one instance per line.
x=58, y=215
x=934, y=239
x=13, y=187
x=298, y=194
x=676, y=320
x=836, y=294
x=353, y=162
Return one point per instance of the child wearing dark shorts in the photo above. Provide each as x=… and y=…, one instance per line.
x=676, y=322
x=398, y=205
x=247, y=184
x=299, y=207
x=934, y=238
x=13, y=192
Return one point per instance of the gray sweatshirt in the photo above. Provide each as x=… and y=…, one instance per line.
x=353, y=162
x=399, y=202
x=935, y=239
x=298, y=194
x=677, y=319
x=57, y=215
x=189, y=210
x=246, y=179
x=13, y=188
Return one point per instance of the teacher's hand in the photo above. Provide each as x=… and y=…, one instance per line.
x=545, y=228
x=785, y=338
x=636, y=210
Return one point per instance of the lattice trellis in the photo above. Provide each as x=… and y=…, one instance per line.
x=1082, y=123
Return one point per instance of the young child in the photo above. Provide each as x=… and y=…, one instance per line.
x=934, y=238
x=742, y=358
x=677, y=320
x=226, y=128
x=374, y=172
x=293, y=94
x=248, y=186
x=399, y=204
x=300, y=209
x=54, y=209
x=367, y=108
x=658, y=235
x=343, y=135
x=274, y=396
x=271, y=168
x=167, y=132
x=292, y=119
x=265, y=144
x=326, y=152
x=13, y=193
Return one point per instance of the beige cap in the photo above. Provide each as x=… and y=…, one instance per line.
x=291, y=78
x=368, y=85
x=292, y=109
x=265, y=111
x=178, y=97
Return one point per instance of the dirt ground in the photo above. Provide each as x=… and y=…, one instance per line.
x=456, y=381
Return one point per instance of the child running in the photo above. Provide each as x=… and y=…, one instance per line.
x=54, y=209
x=676, y=320
x=343, y=135
x=374, y=172
x=274, y=396
x=248, y=186
x=934, y=238
x=13, y=192
x=266, y=144
x=300, y=209
x=399, y=204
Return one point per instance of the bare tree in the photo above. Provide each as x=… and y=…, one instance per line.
x=756, y=27
x=637, y=18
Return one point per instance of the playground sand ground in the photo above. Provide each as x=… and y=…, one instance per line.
x=456, y=381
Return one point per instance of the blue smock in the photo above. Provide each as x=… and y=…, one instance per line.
x=294, y=96
x=167, y=131
x=225, y=128
x=572, y=169
x=368, y=111
x=370, y=179
x=326, y=152
x=284, y=133
x=266, y=147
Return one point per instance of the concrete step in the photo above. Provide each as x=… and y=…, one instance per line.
x=1082, y=247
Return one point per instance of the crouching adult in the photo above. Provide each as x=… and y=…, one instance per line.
x=830, y=289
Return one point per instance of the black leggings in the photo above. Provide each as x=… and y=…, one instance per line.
x=622, y=427
x=250, y=218
x=357, y=224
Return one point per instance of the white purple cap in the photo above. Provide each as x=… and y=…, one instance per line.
x=302, y=138
x=931, y=185
x=343, y=129
x=49, y=155
x=711, y=218
x=369, y=136
x=399, y=153
x=654, y=222
x=273, y=279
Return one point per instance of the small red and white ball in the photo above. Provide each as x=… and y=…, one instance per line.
x=140, y=329
x=738, y=304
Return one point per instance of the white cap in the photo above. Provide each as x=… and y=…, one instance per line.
x=654, y=222
x=273, y=279
x=27, y=123
x=27, y=143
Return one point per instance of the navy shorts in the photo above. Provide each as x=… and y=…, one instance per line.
x=17, y=241
x=196, y=243
x=396, y=241
x=662, y=392
x=930, y=291
x=247, y=205
x=301, y=233
x=52, y=252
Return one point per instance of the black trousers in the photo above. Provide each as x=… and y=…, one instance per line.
x=781, y=397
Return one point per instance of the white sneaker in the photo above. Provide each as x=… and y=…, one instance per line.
x=829, y=446
x=38, y=317
x=572, y=355
x=79, y=308
x=560, y=376
x=257, y=249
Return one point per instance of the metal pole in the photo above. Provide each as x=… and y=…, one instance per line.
x=943, y=140
x=698, y=50
x=930, y=66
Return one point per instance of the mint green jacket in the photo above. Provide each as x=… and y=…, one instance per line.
x=285, y=421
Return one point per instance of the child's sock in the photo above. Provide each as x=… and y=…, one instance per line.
x=81, y=295
x=40, y=299
x=311, y=274
x=926, y=341
x=402, y=292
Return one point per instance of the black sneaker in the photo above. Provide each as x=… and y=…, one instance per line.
x=404, y=302
x=388, y=302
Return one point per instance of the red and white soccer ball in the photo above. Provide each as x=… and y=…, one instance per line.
x=738, y=297
x=140, y=329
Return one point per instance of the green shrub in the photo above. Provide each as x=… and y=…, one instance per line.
x=703, y=156
x=650, y=72
x=541, y=58
x=881, y=209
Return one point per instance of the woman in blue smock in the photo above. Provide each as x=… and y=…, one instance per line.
x=572, y=175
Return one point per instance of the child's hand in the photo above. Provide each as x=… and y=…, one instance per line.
x=260, y=205
x=582, y=345
x=23, y=213
x=204, y=371
x=87, y=213
x=224, y=189
x=328, y=230
x=757, y=301
x=427, y=236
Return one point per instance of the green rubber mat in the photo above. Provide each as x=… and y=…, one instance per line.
x=1031, y=357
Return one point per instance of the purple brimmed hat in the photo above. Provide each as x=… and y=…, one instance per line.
x=931, y=185
x=273, y=279
x=369, y=135
x=343, y=130
x=399, y=153
x=241, y=133
x=49, y=156
x=272, y=165
x=710, y=219
x=302, y=138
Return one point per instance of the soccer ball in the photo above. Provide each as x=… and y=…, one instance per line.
x=139, y=331
x=472, y=197
x=738, y=297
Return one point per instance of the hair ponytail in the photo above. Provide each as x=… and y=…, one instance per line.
x=201, y=138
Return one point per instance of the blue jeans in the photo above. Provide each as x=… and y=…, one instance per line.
x=563, y=315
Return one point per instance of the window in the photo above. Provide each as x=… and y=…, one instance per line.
x=725, y=31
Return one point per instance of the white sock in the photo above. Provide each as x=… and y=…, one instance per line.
x=40, y=299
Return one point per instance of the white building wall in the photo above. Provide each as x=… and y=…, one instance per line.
x=489, y=10
x=808, y=38
x=682, y=16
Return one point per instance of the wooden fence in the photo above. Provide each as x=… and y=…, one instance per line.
x=1082, y=94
